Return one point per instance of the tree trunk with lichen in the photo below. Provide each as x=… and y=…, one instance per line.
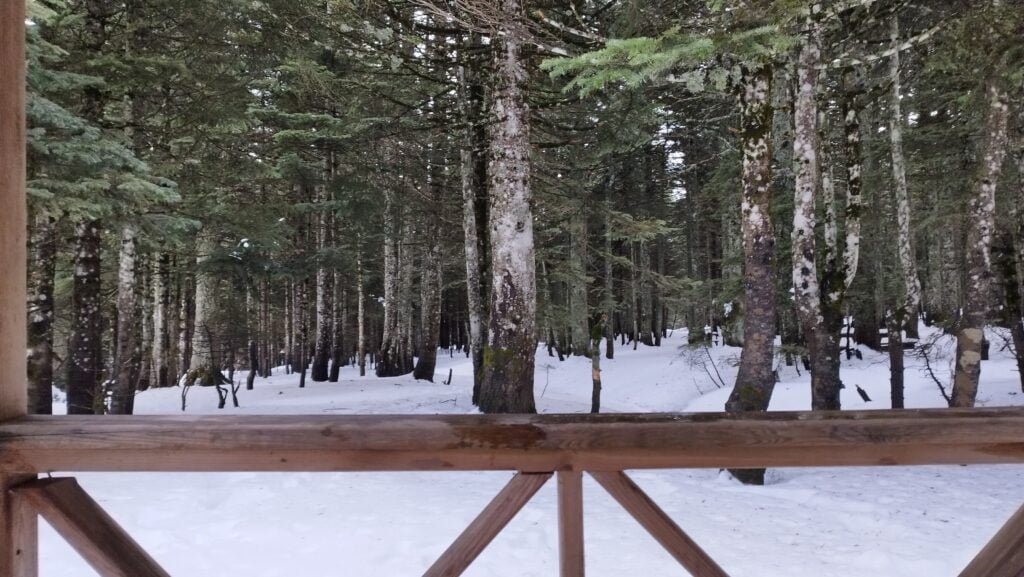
x=509, y=356
x=85, y=348
x=755, y=379
x=807, y=290
x=41, y=270
x=907, y=314
x=202, y=365
x=980, y=226
x=127, y=353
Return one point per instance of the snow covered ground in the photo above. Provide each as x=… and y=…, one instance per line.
x=900, y=522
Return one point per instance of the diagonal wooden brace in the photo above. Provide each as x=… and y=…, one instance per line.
x=1003, y=556
x=658, y=524
x=495, y=516
x=108, y=549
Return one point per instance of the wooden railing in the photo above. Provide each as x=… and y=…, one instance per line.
x=537, y=447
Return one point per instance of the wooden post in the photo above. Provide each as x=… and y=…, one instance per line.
x=18, y=529
x=13, y=331
x=570, y=523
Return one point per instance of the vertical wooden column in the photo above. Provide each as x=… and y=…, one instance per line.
x=570, y=523
x=13, y=392
x=18, y=530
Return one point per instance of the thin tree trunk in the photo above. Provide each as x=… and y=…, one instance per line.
x=302, y=329
x=161, y=335
x=595, y=363
x=85, y=348
x=253, y=337
x=980, y=225
x=388, y=358
x=126, y=352
x=473, y=167
x=578, y=282
x=895, y=330
x=186, y=322
x=904, y=243
x=430, y=280
x=361, y=316
x=1017, y=326
x=41, y=270
x=509, y=356
x=319, y=372
x=609, y=277
x=405, y=315
x=338, y=356
x=807, y=292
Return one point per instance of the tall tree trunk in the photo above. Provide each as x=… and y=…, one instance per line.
x=473, y=168
x=609, y=277
x=388, y=358
x=126, y=352
x=824, y=386
x=324, y=327
x=302, y=329
x=252, y=334
x=186, y=321
x=85, y=348
x=203, y=369
x=596, y=334
x=755, y=379
x=144, y=310
x=338, y=357
x=405, y=309
x=904, y=243
x=509, y=356
x=430, y=309
x=1017, y=325
x=361, y=316
x=430, y=279
x=319, y=372
x=161, y=334
x=41, y=269
x=578, y=282
x=980, y=225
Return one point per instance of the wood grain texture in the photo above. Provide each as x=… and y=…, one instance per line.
x=13, y=331
x=659, y=525
x=108, y=549
x=487, y=525
x=19, y=532
x=537, y=443
x=570, y=524
x=1003, y=556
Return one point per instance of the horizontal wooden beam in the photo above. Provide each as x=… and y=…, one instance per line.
x=534, y=443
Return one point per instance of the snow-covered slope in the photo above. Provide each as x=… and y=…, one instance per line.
x=900, y=522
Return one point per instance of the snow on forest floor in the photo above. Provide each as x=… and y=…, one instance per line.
x=823, y=522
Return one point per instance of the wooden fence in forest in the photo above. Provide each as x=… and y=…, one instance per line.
x=535, y=447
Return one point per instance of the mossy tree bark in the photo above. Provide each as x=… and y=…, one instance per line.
x=755, y=380
x=509, y=357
